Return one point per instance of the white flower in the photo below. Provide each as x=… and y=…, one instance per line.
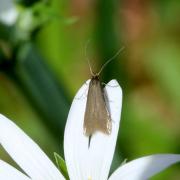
x=83, y=163
x=8, y=12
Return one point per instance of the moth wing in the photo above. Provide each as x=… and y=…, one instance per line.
x=97, y=116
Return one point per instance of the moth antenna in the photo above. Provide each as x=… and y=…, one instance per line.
x=86, y=56
x=109, y=60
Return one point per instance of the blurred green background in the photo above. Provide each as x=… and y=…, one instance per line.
x=43, y=64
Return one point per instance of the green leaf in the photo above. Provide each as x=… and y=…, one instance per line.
x=44, y=92
x=61, y=165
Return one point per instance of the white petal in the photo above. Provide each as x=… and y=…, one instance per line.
x=26, y=153
x=75, y=143
x=93, y=162
x=145, y=167
x=103, y=146
x=8, y=12
x=7, y=172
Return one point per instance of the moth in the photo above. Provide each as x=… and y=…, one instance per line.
x=97, y=115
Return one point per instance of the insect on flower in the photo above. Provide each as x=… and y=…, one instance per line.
x=97, y=115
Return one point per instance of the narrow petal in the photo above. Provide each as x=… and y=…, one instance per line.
x=94, y=162
x=26, y=153
x=75, y=143
x=145, y=167
x=103, y=146
x=8, y=172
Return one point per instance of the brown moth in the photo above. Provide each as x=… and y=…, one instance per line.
x=97, y=115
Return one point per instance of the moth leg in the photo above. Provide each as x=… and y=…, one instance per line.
x=109, y=85
x=83, y=95
x=86, y=83
x=104, y=84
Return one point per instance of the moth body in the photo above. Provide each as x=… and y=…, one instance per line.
x=97, y=116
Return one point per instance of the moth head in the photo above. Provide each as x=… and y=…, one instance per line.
x=95, y=76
